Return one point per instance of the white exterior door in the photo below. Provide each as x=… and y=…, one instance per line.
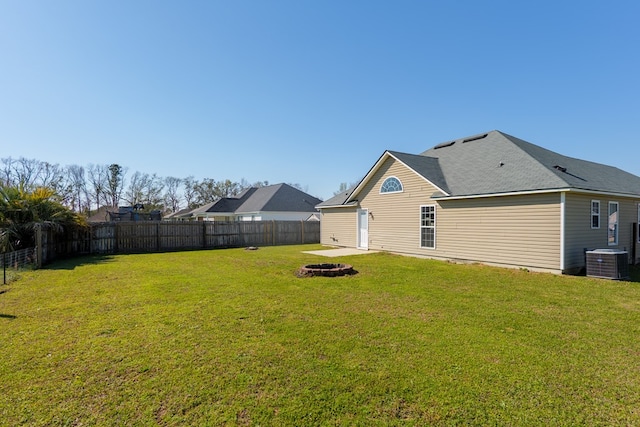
x=363, y=229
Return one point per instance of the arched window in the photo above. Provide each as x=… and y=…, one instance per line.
x=391, y=185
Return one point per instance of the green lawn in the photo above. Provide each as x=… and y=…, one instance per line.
x=233, y=337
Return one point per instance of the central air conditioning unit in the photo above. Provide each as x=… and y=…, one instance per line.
x=608, y=264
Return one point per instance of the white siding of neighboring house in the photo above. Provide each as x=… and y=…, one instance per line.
x=273, y=216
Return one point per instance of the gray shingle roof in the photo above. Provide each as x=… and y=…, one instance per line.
x=279, y=198
x=272, y=198
x=429, y=167
x=496, y=163
x=337, y=200
x=500, y=163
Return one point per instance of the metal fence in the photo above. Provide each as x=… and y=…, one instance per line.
x=160, y=236
x=18, y=259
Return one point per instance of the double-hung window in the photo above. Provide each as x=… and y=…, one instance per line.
x=612, y=231
x=428, y=226
x=595, y=214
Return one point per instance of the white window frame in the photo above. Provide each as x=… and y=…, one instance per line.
x=616, y=224
x=595, y=214
x=391, y=192
x=433, y=227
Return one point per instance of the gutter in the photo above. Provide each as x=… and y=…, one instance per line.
x=523, y=193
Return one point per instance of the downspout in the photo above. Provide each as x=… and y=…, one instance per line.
x=563, y=199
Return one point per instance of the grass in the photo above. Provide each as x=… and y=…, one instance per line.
x=233, y=337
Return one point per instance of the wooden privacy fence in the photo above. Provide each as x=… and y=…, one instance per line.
x=157, y=236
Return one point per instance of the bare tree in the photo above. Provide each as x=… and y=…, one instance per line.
x=97, y=175
x=51, y=176
x=134, y=193
x=226, y=188
x=172, y=193
x=153, y=199
x=21, y=172
x=6, y=173
x=345, y=187
x=84, y=189
x=145, y=189
x=189, y=192
x=244, y=184
x=77, y=185
x=26, y=172
x=205, y=191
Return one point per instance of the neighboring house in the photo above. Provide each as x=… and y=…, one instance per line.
x=280, y=202
x=180, y=215
x=314, y=217
x=102, y=214
x=134, y=213
x=124, y=213
x=490, y=198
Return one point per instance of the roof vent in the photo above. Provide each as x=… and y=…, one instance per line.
x=560, y=168
x=475, y=138
x=444, y=144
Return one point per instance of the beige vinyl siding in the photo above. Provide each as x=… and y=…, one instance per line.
x=394, y=218
x=580, y=235
x=511, y=230
x=338, y=227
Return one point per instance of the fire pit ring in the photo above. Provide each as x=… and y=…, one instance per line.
x=327, y=270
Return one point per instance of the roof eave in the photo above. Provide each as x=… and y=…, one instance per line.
x=344, y=205
x=377, y=166
x=541, y=191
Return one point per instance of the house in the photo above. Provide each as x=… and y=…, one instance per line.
x=124, y=213
x=102, y=214
x=490, y=198
x=280, y=202
x=180, y=215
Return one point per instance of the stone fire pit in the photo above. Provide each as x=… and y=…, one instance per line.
x=328, y=270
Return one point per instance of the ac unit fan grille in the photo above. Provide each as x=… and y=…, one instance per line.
x=608, y=264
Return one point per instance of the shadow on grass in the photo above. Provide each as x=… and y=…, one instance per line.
x=71, y=263
x=7, y=316
x=634, y=273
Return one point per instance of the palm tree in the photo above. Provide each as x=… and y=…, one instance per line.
x=21, y=210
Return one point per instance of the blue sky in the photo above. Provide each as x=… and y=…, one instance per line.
x=312, y=92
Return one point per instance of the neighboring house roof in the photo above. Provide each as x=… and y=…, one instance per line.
x=495, y=163
x=278, y=198
x=271, y=198
x=202, y=209
x=337, y=200
x=182, y=213
x=102, y=214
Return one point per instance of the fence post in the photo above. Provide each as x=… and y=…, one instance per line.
x=39, y=249
x=273, y=232
x=302, y=231
x=90, y=234
x=116, y=237
x=158, y=237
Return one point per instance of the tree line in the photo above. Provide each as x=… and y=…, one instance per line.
x=85, y=189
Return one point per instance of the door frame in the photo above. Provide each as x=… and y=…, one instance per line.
x=363, y=226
